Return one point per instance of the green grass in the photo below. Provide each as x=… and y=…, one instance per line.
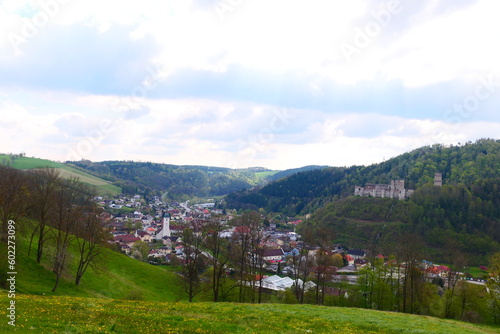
x=115, y=276
x=43, y=314
x=31, y=163
x=101, y=304
x=475, y=271
x=263, y=175
x=103, y=186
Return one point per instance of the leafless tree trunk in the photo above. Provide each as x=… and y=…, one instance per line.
x=13, y=199
x=70, y=199
x=43, y=184
x=193, y=262
x=410, y=248
x=91, y=236
x=219, y=249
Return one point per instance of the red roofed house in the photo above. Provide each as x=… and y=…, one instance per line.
x=349, y=259
x=242, y=229
x=128, y=239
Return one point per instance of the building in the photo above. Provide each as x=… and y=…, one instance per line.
x=394, y=190
x=438, y=179
x=277, y=283
x=165, y=231
x=274, y=255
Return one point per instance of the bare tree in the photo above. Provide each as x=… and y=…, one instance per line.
x=42, y=186
x=457, y=261
x=91, y=236
x=70, y=198
x=411, y=252
x=246, y=239
x=494, y=287
x=220, y=254
x=302, y=264
x=192, y=265
x=13, y=199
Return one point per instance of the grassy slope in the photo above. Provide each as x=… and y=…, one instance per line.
x=116, y=276
x=263, y=175
x=70, y=310
x=42, y=314
x=66, y=171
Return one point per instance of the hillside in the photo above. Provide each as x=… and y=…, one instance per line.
x=285, y=173
x=472, y=163
x=115, y=276
x=379, y=224
x=70, y=314
x=23, y=162
x=176, y=182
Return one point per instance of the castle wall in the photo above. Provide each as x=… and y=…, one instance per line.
x=396, y=189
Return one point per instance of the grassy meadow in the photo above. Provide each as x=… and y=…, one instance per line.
x=44, y=314
x=114, y=276
x=103, y=186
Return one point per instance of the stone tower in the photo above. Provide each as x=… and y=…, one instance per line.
x=165, y=231
x=438, y=179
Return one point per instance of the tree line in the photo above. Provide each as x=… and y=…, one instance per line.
x=468, y=215
x=53, y=213
x=232, y=269
x=177, y=182
x=469, y=164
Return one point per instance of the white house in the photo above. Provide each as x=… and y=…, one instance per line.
x=277, y=283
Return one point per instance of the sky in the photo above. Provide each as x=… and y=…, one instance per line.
x=243, y=83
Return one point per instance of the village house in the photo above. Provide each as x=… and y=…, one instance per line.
x=144, y=236
x=170, y=241
x=127, y=239
x=349, y=259
x=125, y=249
x=357, y=253
x=440, y=271
x=155, y=253
x=271, y=255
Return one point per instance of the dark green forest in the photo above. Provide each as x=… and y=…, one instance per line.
x=177, y=182
x=289, y=172
x=471, y=164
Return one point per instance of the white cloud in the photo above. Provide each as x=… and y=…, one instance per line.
x=100, y=54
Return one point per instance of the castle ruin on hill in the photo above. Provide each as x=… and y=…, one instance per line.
x=394, y=190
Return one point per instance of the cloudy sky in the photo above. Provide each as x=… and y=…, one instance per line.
x=239, y=83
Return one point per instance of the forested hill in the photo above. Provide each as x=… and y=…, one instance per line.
x=470, y=164
x=178, y=182
x=285, y=173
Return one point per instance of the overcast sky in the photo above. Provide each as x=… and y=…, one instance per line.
x=240, y=83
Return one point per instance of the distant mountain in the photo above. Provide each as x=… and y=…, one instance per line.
x=176, y=182
x=304, y=192
x=288, y=172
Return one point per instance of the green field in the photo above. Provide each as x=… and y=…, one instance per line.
x=42, y=314
x=30, y=163
x=263, y=175
x=103, y=187
x=123, y=295
x=114, y=276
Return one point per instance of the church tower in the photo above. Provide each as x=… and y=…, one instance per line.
x=166, y=226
